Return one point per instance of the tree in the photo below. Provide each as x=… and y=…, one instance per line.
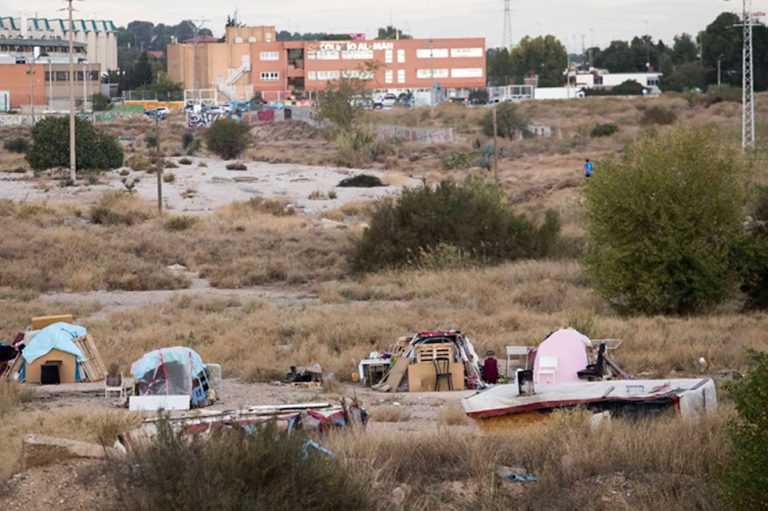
x=685, y=76
x=663, y=220
x=390, y=32
x=543, y=56
x=227, y=138
x=684, y=49
x=510, y=122
x=50, y=146
x=499, y=66
x=342, y=102
x=142, y=71
x=100, y=102
x=616, y=58
x=722, y=40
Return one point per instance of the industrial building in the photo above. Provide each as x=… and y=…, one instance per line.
x=252, y=60
x=98, y=37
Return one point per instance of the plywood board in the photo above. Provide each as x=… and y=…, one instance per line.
x=421, y=377
x=40, y=322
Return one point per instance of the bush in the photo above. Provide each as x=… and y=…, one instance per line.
x=658, y=115
x=662, y=222
x=341, y=103
x=118, y=209
x=604, y=130
x=510, y=123
x=180, y=223
x=236, y=469
x=628, y=88
x=227, y=138
x=459, y=160
x=361, y=181
x=50, y=146
x=356, y=148
x=100, y=102
x=187, y=139
x=185, y=161
x=472, y=216
x=169, y=177
x=236, y=166
x=752, y=254
x=16, y=145
x=745, y=475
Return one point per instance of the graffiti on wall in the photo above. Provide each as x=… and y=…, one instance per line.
x=202, y=119
x=419, y=135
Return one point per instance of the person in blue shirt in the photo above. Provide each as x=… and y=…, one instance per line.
x=587, y=168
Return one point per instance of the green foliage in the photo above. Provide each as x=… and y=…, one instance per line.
x=658, y=115
x=472, y=216
x=342, y=102
x=628, y=88
x=151, y=140
x=361, y=181
x=544, y=55
x=510, y=122
x=390, y=32
x=163, y=88
x=236, y=166
x=358, y=147
x=235, y=470
x=752, y=254
x=185, y=161
x=459, y=160
x=180, y=223
x=603, y=130
x=478, y=96
x=130, y=188
x=691, y=75
x=16, y=145
x=187, y=140
x=227, y=138
x=100, y=102
x=662, y=221
x=745, y=474
x=96, y=150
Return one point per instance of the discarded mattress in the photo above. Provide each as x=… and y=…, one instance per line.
x=687, y=397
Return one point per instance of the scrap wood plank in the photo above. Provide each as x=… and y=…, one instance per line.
x=91, y=364
x=95, y=356
x=394, y=377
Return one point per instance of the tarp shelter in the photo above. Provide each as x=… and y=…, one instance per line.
x=175, y=371
x=54, y=345
x=561, y=356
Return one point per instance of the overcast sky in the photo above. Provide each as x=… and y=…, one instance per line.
x=599, y=21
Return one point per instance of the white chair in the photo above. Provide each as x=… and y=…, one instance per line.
x=547, y=367
x=518, y=352
x=117, y=387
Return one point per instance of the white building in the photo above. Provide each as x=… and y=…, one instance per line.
x=596, y=78
x=99, y=36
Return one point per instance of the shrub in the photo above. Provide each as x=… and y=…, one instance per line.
x=472, y=216
x=170, y=164
x=752, y=254
x=100, y=102
x=658, y=115
x=138, y=163
x=745, y=475
x=342, y=102
x=361, y=181
x=50, y=146
x=236, y=469
x=151, y=140
x=236, y=166
x=357, y=147
x=662, y=221
x=227, y=138
x=16, y=145
x=459, y=160
x=180, y=223
x=509, y=121
x=603, y=130
x=118, y=209
x=185, y=161
x=187, y=139
x=628, y=88
x=169, y=177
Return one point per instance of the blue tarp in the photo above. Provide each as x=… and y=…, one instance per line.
x=153, y=359
x=58, y=336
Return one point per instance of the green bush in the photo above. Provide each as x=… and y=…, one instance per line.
x=227, y=138
x=185, y=161
x=459, y=160
x=16, y=145
x=236, y=166
x=745, y=474
x=663, y=220
x=604, y=130
x=510, y=122
x=358, y=147
x=628, y=88
x=186, y=139
x=100, y=102
x=752, y=254
x=472, y=216
x=235, y=469
x=658, y=115
x=50, y=146
x=361, y=181
x=180, y=223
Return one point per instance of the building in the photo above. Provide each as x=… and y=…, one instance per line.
x=37, y=70
x=98, y=36
x=596, y=78
x=251, y=62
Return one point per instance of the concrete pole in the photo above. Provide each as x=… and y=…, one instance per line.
x=495, y=149
x=159, y=165
x=72, y=150
x=31, y=73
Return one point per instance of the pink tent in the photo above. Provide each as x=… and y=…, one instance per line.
x=560, y=356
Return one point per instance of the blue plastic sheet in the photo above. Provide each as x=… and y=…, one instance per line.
x=58, y=336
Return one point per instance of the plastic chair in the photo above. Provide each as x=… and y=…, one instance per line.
x=443, y=372
x=548, y=367
x=119, y=388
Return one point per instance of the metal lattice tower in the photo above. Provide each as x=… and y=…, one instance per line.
x=506, y=37
x=748, y=105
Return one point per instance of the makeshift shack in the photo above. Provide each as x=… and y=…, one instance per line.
x=60, y=353
x=434, y=361
x=169, y=378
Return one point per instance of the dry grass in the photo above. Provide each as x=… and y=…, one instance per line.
x=390, y=414
x=452, y=414
x=12, y=396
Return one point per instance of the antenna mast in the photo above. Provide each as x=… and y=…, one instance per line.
x=748, y=105
x=506, y=37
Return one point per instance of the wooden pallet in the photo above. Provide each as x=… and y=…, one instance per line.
x=92, y=365
x=429, y=352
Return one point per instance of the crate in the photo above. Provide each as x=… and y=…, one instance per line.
x=429, y=352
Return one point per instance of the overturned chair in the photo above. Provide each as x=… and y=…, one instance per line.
x=595, y=371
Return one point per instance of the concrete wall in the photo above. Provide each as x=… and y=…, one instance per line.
x=15, y=80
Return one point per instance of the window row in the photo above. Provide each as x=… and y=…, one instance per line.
x=335, y=75
x=63, y=76
x=269, y=55
x=270, y=76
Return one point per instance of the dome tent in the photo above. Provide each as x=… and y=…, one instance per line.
x=176, y=371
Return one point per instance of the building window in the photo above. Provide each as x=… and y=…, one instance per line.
x=387, y=56
x=311, y=75
x=94, y=76
x=400, y=56
x=474, y=72
x=328, y=75
x=323, y=55
x=252, y=39
x=431, y=73
x=432, y=53
x=270, y=76
x=357, y=55
x=61, y=76
x=238, y=40
x=269, y=55
x=466, y=52
x=401, y=76
x=356, y=73
x=388, y=76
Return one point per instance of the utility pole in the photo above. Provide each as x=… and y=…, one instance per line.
x=159, y=164
x=747, y=102
x=198, y=24
x=495, y=148
x=31, y=74
x=72, y=150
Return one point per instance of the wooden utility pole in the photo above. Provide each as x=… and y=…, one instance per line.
x=31, y=74
x=495, y=148
x=159, y=164
x=72, y=150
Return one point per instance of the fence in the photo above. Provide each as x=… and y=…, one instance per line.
x=137, y=95
x=418, y=135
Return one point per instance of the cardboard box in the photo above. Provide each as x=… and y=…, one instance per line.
x=41, y=322
x=421, y=377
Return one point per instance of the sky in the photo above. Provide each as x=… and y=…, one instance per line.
x=593, y=22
